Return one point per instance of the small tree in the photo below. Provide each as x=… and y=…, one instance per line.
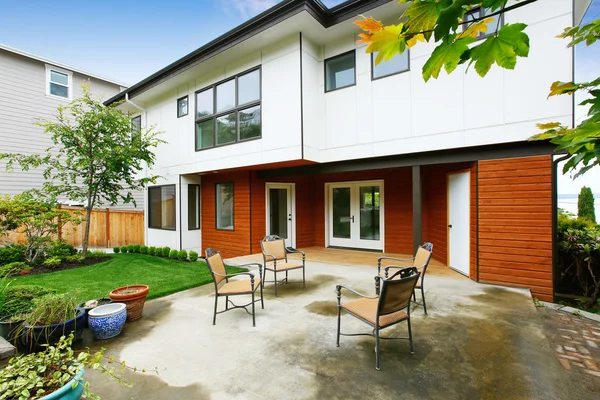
x=97, y=157
x=585, y=204
x=39, y=219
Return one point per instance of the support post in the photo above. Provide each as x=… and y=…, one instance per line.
x=417, y=207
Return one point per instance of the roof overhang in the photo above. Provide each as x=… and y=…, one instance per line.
x=579, y=9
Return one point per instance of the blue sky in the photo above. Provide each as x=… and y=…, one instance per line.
x=129, y=40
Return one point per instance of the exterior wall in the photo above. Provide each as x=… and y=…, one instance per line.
x=23, y=101
x=515, y=223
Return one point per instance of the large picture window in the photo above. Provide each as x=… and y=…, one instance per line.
x=229, y=111
x=193, y=207
x=224, y=206
x=161, y=207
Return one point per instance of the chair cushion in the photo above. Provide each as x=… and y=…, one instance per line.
x=239, y=287
x=367, y=309
x=282, y=266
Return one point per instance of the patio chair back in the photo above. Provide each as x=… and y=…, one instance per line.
x=422, y=257
x=275, y=247
x=215, y=264
x=397, y=291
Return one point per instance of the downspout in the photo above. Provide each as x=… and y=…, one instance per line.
x=555, y=273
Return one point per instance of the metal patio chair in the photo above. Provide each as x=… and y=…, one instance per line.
x=420, y=261
x=391, y=307
x=234, y=287
x=275, y=259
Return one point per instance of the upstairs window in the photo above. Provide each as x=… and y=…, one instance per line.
x=58, y=82
x=340, y=71
x=136, y=124
x=480, y=13
x=396, y=65
x=182, y=107
x=229, y=111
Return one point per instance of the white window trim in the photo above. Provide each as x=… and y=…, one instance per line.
x=70, y=82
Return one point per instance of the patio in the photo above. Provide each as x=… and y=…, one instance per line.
x=478, y=341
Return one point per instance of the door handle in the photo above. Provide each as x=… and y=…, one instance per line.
x=450, y=226
x=289, y=217
x=352, y=219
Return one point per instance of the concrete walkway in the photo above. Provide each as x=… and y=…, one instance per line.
x=478, y=341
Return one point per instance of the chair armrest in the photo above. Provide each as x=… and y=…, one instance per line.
x=338, y=289
x=227, y=276
x=265, y=255
x=390, y=258
x=293, y=250
x=259, y=265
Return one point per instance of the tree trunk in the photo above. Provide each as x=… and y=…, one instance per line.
x=86, y=233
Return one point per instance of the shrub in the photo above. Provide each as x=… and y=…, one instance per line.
x=60, y=249
x=165, y=251
x=116, y=250
x=585, y=204
x=144, y=249
x=182, y=255
x=130, y=248
x=12, y=269
x=52, y=262
x=193, y=256
x=96, y=254
x=19, y=298
x=124, y=249
x=150, y=251
x=136, y=248
x=12, y=253
x=174, y=255
x=76, y=258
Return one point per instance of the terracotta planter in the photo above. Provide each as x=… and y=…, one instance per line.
x=134, y=297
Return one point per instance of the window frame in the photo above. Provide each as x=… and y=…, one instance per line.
x=235, y=110
x=217, y=191
x=174, y=207
x=197, y=189
x=138, y=117
x=374, y=78
x=186, y=97
x=479, y=11
x=325, y=70
x=49, y=69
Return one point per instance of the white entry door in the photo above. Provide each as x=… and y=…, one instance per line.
x=281, y=213
x=355, y=215
x=459, y=221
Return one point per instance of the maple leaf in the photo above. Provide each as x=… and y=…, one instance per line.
x=422, y=16
x=447, y=55
x=558, y=88
x=501, y=49
x=365, y=38
x=369, y=25
x=549, y=125
x=450, y=16
x=388, y=42
x=476, y=28
x=419, y=37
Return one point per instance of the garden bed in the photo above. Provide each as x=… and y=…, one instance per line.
x=65, y=265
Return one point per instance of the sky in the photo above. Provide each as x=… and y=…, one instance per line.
x=128, y=40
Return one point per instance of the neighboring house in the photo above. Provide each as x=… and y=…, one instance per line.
x=285, y=126
x=32, y=87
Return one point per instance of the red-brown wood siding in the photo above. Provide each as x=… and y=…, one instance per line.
x=515, y=223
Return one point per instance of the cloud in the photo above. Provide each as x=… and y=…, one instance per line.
x=247, y=8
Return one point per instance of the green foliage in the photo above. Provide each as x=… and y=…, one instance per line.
x=151, y=250
x=182, y=255
x=166, y=251
x=31, y=376
x=52, y=262
x=12, y=269
x=60, y=249
x=75, y=259
x=97, y=157
x=174, y=255
x=97, y=254
x=19, y=298
x=52, y=309
x=502, y=49
x=144, y=249
x=136, y=248
x=124, y=249
x=193, y=256
x=116, y=250
x=130, y=248
x=566, y=221
x=12, y=253
x=585, y=204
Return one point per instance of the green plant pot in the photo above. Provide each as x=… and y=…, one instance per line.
x=67, y=392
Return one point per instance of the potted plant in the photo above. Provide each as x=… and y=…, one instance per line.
x=52, y=316
x=57, y=373
x=10, y=327
x=134, y=297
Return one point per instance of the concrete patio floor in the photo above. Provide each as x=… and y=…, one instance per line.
x=478, y=341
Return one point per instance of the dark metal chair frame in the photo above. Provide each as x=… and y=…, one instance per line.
x=288, y=250
x=211, y=252
x=405, y=274
x=427, y=246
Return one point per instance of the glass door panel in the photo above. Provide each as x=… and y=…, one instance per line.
x=341, y=212
x=369, y=202
x=278, y=212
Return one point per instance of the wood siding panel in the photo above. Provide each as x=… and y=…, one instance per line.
x=515, y=223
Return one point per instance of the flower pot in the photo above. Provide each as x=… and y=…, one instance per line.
x=134, y=297
x=107, y=321
x=67, y=392
x=10, y=330
x=35, y=336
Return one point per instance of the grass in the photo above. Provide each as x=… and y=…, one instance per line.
x=164, y=276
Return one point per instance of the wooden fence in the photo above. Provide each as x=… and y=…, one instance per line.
x=108, y=228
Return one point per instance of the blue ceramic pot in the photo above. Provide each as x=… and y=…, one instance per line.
x=67, y=392
x=35, y=336
x=107, y=321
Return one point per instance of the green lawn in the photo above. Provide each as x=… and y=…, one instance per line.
x=164, y=276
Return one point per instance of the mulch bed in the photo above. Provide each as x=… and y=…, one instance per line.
x=42, y=269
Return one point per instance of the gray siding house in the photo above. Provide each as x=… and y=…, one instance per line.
x=32, y=87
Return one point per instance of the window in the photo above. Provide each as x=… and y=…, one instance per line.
x=182, y=107
x=193, y=207
x=229, y=111
x=161, y=207
x=58, y=82
x=340, y=71
x=136, y=123
x=480, y=13
x=224, y=206
x=396, y=65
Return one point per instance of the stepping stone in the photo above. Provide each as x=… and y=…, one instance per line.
x=7, y=350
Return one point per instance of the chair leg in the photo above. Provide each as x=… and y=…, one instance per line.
x=275, y=279
x=303, y=277
x=226, y=302
x=337, y=343
x=215, y=313
x=423, y=297
x=286, y=277
x=253, y=317
x=377, y=349
x=414, y=296
x=262, y=301
x=412, y=350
